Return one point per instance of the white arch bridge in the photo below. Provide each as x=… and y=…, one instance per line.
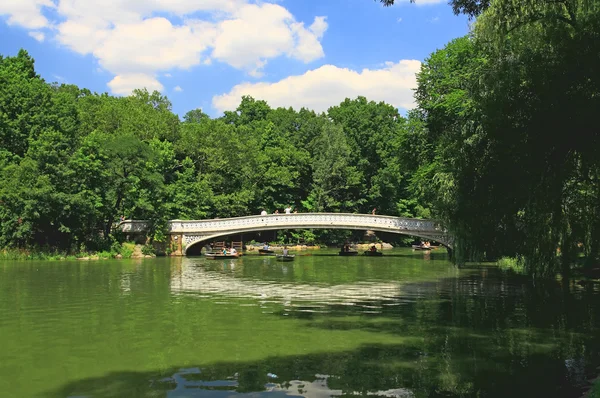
x=186, y=233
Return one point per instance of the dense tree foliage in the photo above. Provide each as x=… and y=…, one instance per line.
x=73, y=162
x=510, y=140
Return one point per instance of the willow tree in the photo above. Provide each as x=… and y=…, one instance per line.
x=509, y=113
x=539, y=93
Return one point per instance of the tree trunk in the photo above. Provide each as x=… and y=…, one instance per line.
x=111, y=219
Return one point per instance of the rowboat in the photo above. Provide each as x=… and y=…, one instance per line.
x=217, y=256
x=348, y=253
x=266, y=251
x=285, y=257
x=374, y=254
x=420, y=247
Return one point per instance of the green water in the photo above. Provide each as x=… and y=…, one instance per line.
x=408, y=324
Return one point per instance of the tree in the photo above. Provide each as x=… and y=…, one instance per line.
x=195, y=116
x=335, y=181
x=371, y=130
x=25, y=103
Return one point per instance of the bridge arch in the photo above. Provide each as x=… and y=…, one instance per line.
x=202, y=240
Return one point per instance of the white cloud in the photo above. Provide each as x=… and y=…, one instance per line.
x=329, y=85
x=167, y=75
x=148, y=46
x=261, y=32
x=125, y=84
x=80, y=37
x=178, y=89
x=131, y=38
x=103, y=13
x=319, y=26
x=26, y=13
x=399, y=20
x=39, y=36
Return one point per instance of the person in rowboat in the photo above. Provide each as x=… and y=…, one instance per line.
x=285, y=251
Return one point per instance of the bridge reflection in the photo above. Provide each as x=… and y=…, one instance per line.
x=367, y=296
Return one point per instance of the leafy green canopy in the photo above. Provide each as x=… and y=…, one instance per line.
x=73, y=162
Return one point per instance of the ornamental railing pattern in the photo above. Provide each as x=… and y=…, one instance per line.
x=291, y=221
x=307, y=220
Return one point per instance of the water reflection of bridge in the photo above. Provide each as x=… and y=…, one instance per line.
x=371, y=295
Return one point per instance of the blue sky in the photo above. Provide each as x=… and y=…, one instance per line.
x=208, y=53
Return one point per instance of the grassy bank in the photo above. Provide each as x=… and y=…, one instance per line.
x=125, y=250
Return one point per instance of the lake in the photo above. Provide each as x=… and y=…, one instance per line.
x=408, y=324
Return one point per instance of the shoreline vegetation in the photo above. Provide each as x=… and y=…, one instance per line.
x=118, y=251
x=130, y=250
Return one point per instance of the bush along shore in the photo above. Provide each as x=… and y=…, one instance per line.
x=117, y=251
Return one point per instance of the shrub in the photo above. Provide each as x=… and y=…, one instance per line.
x=148, y=250
x=127, y=249
x=514, y=264
x=105, y=255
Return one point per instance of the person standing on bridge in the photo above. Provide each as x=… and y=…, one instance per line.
x=263, y=213
x=288, y=210
x=373, y=211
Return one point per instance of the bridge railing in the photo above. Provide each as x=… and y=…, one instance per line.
x=308, y=220
x=295, y=220
x=134, y=226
